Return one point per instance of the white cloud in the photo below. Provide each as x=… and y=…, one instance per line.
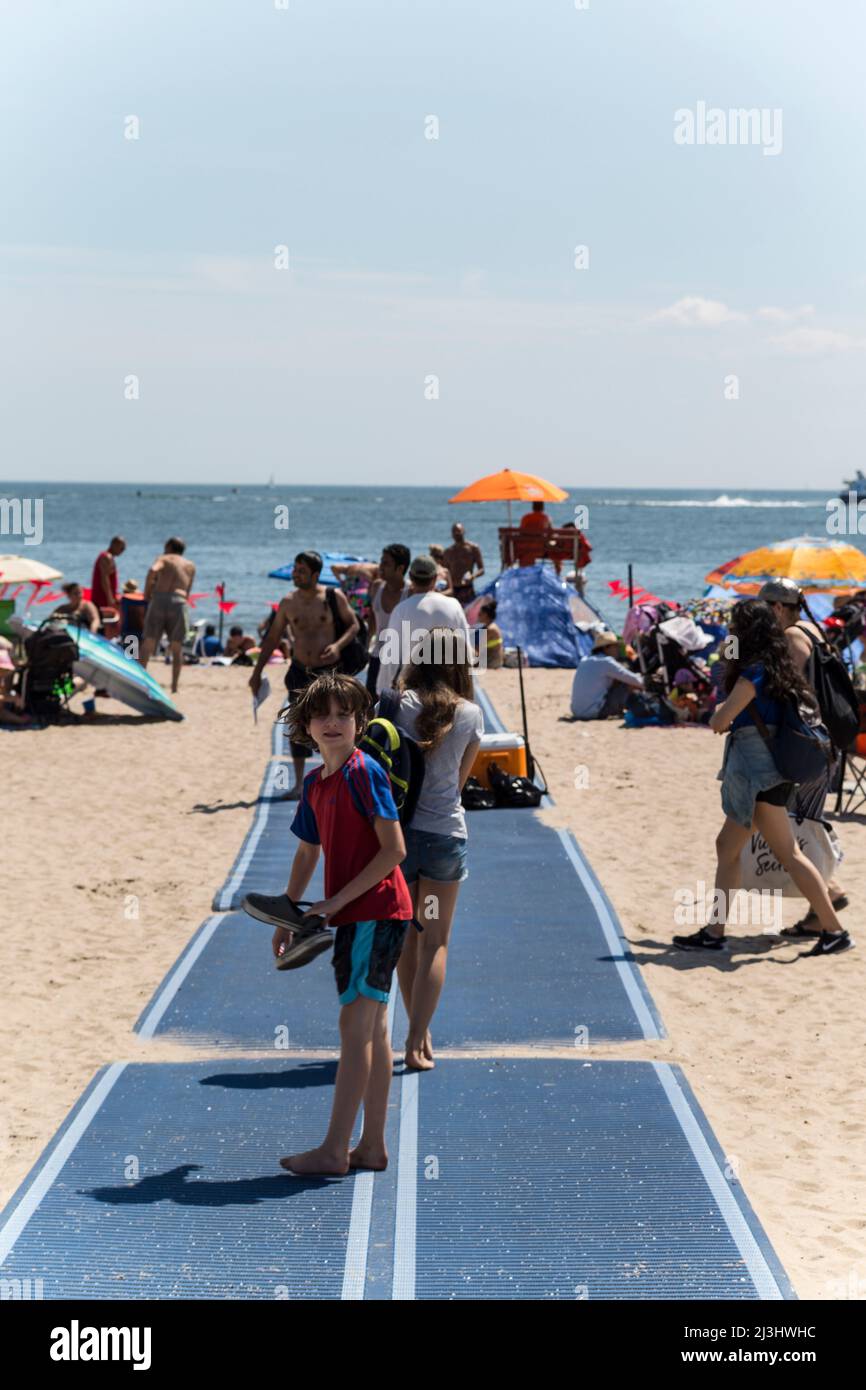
x=695, y=312
x=773, y=315
x=810, y=342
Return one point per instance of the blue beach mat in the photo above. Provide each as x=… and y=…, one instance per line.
x=543, y=963
x=508, y=1180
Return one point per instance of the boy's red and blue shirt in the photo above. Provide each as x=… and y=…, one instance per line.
x=337, y=812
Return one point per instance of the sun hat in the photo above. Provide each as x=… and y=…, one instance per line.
x=781, y=591
x=605, y=638
x=423, y=567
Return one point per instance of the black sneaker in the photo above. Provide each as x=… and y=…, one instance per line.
x=831, y=943
x=305, y=947
x=278, y=910
x=701, y=941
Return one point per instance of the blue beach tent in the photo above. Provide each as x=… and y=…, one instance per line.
x=539, y=613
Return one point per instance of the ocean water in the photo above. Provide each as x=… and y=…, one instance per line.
x=672, y=538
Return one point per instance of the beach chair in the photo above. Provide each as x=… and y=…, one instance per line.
x=852, y=770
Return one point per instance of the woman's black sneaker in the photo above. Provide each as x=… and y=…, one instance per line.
x=831, y=944
x=701, y=941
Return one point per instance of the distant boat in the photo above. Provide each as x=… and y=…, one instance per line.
x=857, y=485
x=271, y=481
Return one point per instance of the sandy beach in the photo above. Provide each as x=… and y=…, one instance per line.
x=121, y=834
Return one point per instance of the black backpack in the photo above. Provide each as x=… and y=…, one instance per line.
x=476, y=797
x=397, y=753
x=47, y=681
x=512, y=791
x=51, y=651
x=834, y=689
x=354, y=656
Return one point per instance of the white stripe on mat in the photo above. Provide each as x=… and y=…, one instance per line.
x=626, y=973
x=255, y=835
x=358, y=1240
x=762, y=1276
x=403, y=1287
x=178, y=975
x=33, y=1197
x=492, y=718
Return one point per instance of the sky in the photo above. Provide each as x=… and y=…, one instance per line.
x=430, y=167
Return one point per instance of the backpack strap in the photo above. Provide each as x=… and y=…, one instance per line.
x=339, y=625
x=760, y=724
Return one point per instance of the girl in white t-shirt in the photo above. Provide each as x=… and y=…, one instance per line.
x=437, y=710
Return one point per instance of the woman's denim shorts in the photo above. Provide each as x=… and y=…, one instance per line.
x=441, y=858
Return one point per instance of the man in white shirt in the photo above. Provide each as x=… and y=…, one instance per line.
x=413, y=616
x=601, y=683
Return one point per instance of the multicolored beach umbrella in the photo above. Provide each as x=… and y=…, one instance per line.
x=816, y=563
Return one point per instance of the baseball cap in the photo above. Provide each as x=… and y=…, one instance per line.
x=423, y=567
x=781, y=591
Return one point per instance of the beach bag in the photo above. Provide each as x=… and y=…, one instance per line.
x=354, y=656
x=801, y=749
x=476, y=797
x=398, y=753
x=512, y=791
x=837, y=699
x=761, y=869
x=642, y=708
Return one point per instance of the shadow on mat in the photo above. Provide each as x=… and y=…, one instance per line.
x=299, y=1078
x=173, y=1186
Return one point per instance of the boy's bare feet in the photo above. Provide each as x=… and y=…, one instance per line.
x=428, y=1046
x=316, y=1161
x=375, y=1160
x=293, y=794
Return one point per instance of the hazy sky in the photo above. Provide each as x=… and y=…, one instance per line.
x=413, y=258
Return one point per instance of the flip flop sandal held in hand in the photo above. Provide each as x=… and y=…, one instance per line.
x=278, y=910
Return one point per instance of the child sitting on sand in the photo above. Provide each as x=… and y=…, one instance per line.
x=347, y=809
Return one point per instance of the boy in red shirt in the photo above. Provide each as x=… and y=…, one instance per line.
x=347, y=809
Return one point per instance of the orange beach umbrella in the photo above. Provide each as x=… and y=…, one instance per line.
x=510, y=486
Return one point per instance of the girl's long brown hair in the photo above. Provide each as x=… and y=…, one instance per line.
x=760, y=638
x=441, y=679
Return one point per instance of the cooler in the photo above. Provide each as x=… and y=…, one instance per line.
x=508, y=750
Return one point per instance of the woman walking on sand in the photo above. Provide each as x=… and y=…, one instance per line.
x=436, y=709
x=754, y=795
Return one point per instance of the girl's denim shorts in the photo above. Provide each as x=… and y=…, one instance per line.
x=441, y=858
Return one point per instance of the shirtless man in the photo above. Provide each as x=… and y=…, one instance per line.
x=167, y=589
x=459, y=560
x=305, y=614
x=785, y=599
x=385, y=593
